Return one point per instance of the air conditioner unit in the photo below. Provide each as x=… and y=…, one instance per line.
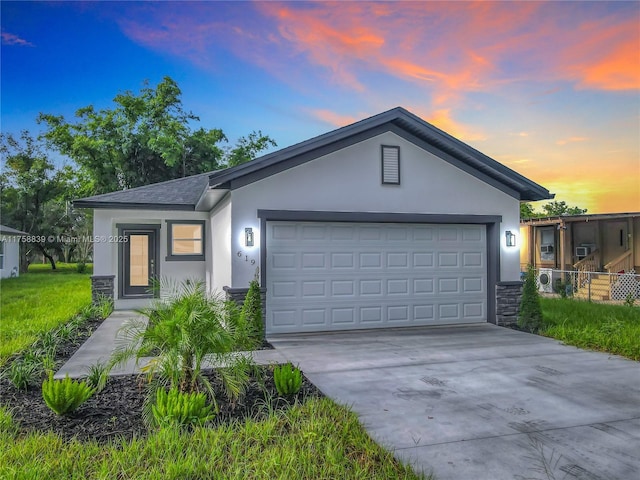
x=583, y=251
x=546, y=249
x=547, y=278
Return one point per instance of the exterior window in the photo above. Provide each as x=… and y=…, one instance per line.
x=547, y=244
x=185, y=240
x=390, y=165
x=1, y=255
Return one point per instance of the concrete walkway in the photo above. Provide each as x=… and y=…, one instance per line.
x=482, y=402
x=100, y=346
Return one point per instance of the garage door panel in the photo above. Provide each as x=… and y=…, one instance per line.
x=371, y=287
x=448, y=285
x=398, y=286
x=313, y=288
x=471, y=234
x=473, y=285
x=423, y=259
x=423, y=313
x=336, y=276
x=314, y=317
x=342, y=260
x=371, y=260
x=473, y=310
x=343, y=316
x=370, y=316
x=313, y=260
x=283, y=261
x=448, y=259
x=472, y=259
x=284, y=290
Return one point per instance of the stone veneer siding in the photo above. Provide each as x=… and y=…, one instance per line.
x=102, y=286
x=508, y=297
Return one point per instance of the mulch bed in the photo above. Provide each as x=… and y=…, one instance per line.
x=116, y=411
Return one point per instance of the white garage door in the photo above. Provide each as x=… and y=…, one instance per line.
x=340, y=276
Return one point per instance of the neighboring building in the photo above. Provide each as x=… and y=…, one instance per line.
x=10, y=251
x=607, y=243
x=386, y=222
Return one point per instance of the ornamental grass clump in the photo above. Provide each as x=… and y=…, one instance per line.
x=176, y=408
x=64, y=396
x=24, y=372
x=288, y=379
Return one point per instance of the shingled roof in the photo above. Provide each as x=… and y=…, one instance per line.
x=401, y=122
x=179, y=194
x=184, y=193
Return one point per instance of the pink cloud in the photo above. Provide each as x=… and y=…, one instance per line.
x=332, y=118
x=565, y=141
x=11, y=39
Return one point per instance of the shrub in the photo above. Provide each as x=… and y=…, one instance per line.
x=530, y=316
x=629, y=300
x=97, y=376
x=183, y=328
x=175, y=408
x=24, y=372
x=64, y=396
x=288, y=379
x=81, y=267
x=252, y=311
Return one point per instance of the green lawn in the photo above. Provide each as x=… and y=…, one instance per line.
x=315, y=440
x=37, y=302
x=608, y=328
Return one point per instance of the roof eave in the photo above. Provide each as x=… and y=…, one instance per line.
x=131, y=206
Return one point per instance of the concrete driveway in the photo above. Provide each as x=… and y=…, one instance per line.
x=482, y=402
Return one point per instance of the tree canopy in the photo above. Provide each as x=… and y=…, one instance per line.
x=34, y=195
x=551, y=209
x=145, y=138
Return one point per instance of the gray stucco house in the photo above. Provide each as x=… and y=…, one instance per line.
x=385, y=222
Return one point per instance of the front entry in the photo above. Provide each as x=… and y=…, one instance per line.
x=139, y=252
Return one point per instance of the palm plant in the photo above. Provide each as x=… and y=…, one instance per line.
x=183, y=329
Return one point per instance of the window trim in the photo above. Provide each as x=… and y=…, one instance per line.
x=382, y=149
x=173, y=257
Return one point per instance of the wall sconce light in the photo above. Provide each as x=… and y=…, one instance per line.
x=248, y=237
x=510, y=238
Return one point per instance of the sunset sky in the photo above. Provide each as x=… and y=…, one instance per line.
x=552, y=90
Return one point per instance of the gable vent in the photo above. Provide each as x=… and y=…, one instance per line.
x=390, y=165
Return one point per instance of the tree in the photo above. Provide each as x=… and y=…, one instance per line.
x=556, y=209
x=145, y=138
x=34, y=195
x=530, y=315
x=551, y=209
x=526, y=211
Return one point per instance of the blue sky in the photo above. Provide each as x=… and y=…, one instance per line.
x=550, y=89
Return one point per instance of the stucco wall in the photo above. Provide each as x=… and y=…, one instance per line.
x=105, y=254
x=349, y=180
x=220, y=230
x=11, y=256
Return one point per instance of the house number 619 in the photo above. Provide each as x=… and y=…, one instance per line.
x=246, y=258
